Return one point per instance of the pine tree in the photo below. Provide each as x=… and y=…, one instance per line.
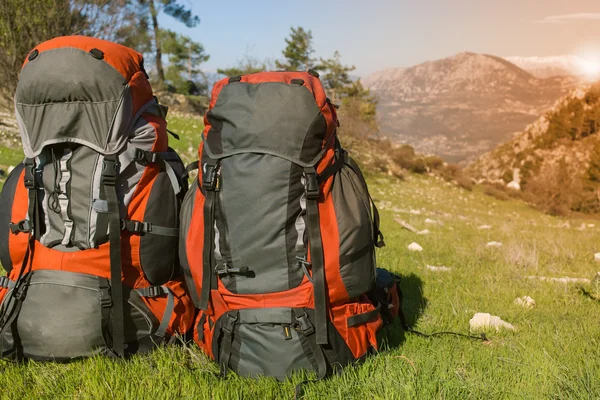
x=298, y=52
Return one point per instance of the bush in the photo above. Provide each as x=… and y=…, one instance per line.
x=434, y=162
x=496, y=191
x=419, y=166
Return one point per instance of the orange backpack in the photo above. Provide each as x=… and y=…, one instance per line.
x=278, y=234
x=89, y=221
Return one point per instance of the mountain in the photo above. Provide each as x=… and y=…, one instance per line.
x=557, y=158
x=462, y=106
x=546, y=67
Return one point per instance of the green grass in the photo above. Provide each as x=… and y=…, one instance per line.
x=554, y=352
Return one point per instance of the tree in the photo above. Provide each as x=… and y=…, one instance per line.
x=298, y=52
x=23, y=25
x=170, y=7
x=247, y=65
x=336, y=76
x=185, y=56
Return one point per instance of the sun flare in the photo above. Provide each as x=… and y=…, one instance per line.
x=590, y=67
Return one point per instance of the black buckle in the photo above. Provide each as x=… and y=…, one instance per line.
x=29, y=179
x=210, y=177
x=144, y=158
x=225, y=270
x=105, y=299
x=311, y=186
x=20, y=291
x=306, y=327
x=110, y=170
x=21, y=226
x=232, y=318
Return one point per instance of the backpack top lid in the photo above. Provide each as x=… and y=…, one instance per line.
x=285, y=114
x=77, y=89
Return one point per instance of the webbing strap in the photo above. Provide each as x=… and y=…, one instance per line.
x=110, y=172
x=200, y=327
x=156, y=291
x=63, y=199
x=140, y=227
x=363, y=318
x=105, y=306
x=191, y=167
x=306, y=330
x=316, y=254
x=348, y=258
x=210, y=184
x=227, y=341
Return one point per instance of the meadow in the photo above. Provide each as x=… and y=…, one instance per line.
x=554, y=351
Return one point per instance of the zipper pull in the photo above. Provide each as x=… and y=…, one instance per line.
x=287, y=332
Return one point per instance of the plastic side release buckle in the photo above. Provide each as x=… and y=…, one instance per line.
x=306, y=327
x=210, y=177
x=312, y=186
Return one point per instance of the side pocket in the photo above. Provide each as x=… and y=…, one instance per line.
x=158, y=242
x=7, y=198
x=355, y=225
x=184, y=225
x=358, y=324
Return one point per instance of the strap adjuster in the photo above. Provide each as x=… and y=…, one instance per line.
x=311, y=186
x=110, y=170
x=144, y=157
x=155, y=291
x=21, y=226
x=105, y=297
x=306, y=327
x=232, y=319
x=4, y=282
x=210, y=177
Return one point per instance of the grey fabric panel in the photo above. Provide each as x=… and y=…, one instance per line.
x=295, y=231
x=66, y=91
x=254, y=202
x=273, y=118
x=264, y=351
x=353, y=214
x=78, y=196
x=280, y=315
x=158, y=254
x=6, y=206
x=55, y=229
x=84, y=162
x=60, y=317
x=187, y=208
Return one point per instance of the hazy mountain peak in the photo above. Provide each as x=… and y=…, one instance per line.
x=460, y=106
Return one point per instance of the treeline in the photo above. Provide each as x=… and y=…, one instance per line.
x=174, y=61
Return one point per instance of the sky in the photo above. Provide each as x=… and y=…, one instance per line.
x=378, y=34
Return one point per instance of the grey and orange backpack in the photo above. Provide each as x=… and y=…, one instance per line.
x=89, y=222
x=278, y=233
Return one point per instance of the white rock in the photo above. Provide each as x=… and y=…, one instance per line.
x=514, y=185
x=10, y=169
x=424, y=232
x=485, y=227
x=482, y=321
x=496, y=245
x=597, y=256
x=591, y=225
x=525, y=301
x=438, y=269
x=415, y=247
x=415, y=212
x=431, y=221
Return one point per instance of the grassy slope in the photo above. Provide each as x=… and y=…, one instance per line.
x=554, y=352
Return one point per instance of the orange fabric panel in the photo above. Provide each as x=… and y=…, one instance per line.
x=359, y=338
x=298, y=297
x=125, y=60
x=184, y=311
x=141, y=91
